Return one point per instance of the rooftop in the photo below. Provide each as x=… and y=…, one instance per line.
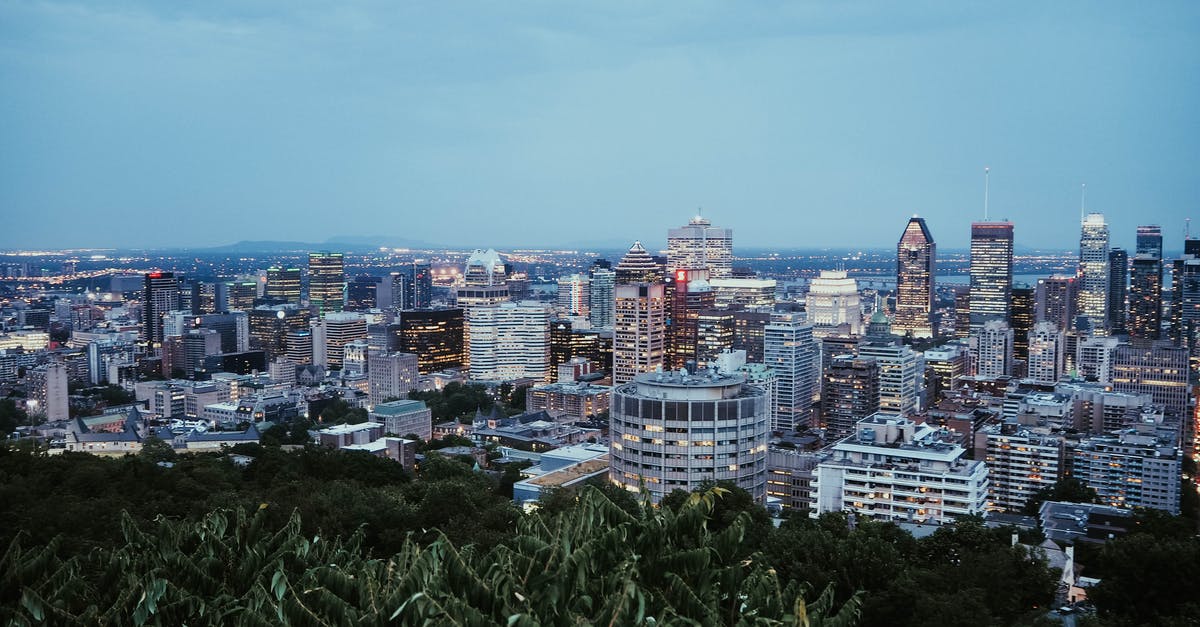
x=395, y=408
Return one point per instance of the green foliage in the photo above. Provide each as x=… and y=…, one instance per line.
x=295, y=432
x=595, y=564
x=455, y=401
x=1068, y=489
x=338, y=411
x=11, y=416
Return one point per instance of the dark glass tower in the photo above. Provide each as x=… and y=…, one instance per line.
x=326, y=281
x=915, y=268
x=1145, y=285
x=991, y=271
x=1118, y=280
x=159, y=295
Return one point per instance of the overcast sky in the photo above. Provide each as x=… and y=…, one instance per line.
x=519, y=123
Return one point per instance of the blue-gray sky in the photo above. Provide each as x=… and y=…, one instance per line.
x=508, y=123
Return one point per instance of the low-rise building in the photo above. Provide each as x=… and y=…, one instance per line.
x=404, y=417
x=1130, y=469
x=575, y=401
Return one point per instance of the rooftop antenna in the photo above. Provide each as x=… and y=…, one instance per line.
x=1187, y=228
x=986, y=173
x=1082, y=200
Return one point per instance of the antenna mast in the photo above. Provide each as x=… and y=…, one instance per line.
x=1082, y=200
x=986, y=172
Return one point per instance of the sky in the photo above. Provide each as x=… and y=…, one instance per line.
x=798, y=124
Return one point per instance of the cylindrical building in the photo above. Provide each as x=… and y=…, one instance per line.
x=675, y=430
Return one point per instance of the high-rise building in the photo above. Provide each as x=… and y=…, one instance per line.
x=1093, y=272
x=48, y=388
x=1118, y=280
x=600, y=297
x=639, y=329
x=1185, y=295
x=1054, y=301
x=510, y=341
x=326, y=281
x=894, y=469
x=992, y=346
x=435, y=336
x=962, y=311
x=1094, y=358
x=791, y=351
x=283, y=284
x=574, y=294
x=1046, y=353
x=916, y=255
x=240, y=295
x=1021, y=460
x=991, y=271
x=833, y=300
x=419, y=288
x=362, y=293
x=749, y=332
x=1020, y=320
x=160, y=295
x=1145, y=297
x=743, y=292
x=339, y=328
x=391, y=376
x=691, y=415
x=689, y=294
x=1149, y=241
x=637, y=266
x=714, y=334
x=1130, y=470
x=483, y=280
x=849, y=393
x=699, y=244
x=393, y=292
x=270, y=325
x=206, y=297
x=901, y=375
x=1155, y=368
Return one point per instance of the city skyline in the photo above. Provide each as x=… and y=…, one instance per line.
x=784, y=123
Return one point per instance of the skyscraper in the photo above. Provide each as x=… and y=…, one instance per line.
x=1118, y=279
x=1020, y=320
x=435, y=336
x=790, y=350
x=699, y=244
x=1046, y=353
x=992, y=346
x=689, y=294
x=991, y=271
x=1145, y=285
x=833, y=300
x=639, y=329
x=574, y=294
x=326, y=281
x=637, y=266
x=510, y=341
x=160, y=295
x=915, y=269
x=283, y=284
x=419, y=289
x=1055, y=300
x=849, y=393
x=1093, y=272
x=600, y=297
x=1185, y=295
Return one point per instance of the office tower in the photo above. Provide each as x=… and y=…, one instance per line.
x=639, y=329
x=1094, y=358
x=691, y=414
x=743, y=292
x=48, y=391
x=326, y=282
x=992, y=346
x=419, y=287
x=339, y=328
x=1149, y=241
x=298, y=347
x=937, y=485
x=916, y=255
x=185, y=355
x=849, y=393
x=1020, y=320
x=205, y=297
x=435, y=336
x=362, y=292
x=561, y=343
x=160, y=295
x=749, y=331
x=689, y=294
x=393, y=292
x=574, y=294
x=269, y=326
x=1155, y=368
x=944, y=364
x=1145, y=297
x=232, y=327
x=283, y=284
x=510, y=341
x=790, y=350
x=901, y=375
x=962, y=311
x=1118, y=279
x=240, y=295
x=1055, y=299
x=391, y=376
x=833, y=300
x=483, y=280
x=1130, y=470
x=991, y=271
x=600, y=297
x=1046, y=353
x=714, y=334
x=1021, y=460
x=1185, y=295
x=1093, y=272
x=699, y=244
x=637, y=266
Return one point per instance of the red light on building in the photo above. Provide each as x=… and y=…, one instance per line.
x=155, y=275
x=680, y=275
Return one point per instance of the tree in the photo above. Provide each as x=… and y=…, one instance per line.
x=11, y=416
x=1068, y=489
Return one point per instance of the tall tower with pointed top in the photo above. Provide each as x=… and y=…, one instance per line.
x=915, y=259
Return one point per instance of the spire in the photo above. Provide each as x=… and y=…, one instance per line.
x=986, y=173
